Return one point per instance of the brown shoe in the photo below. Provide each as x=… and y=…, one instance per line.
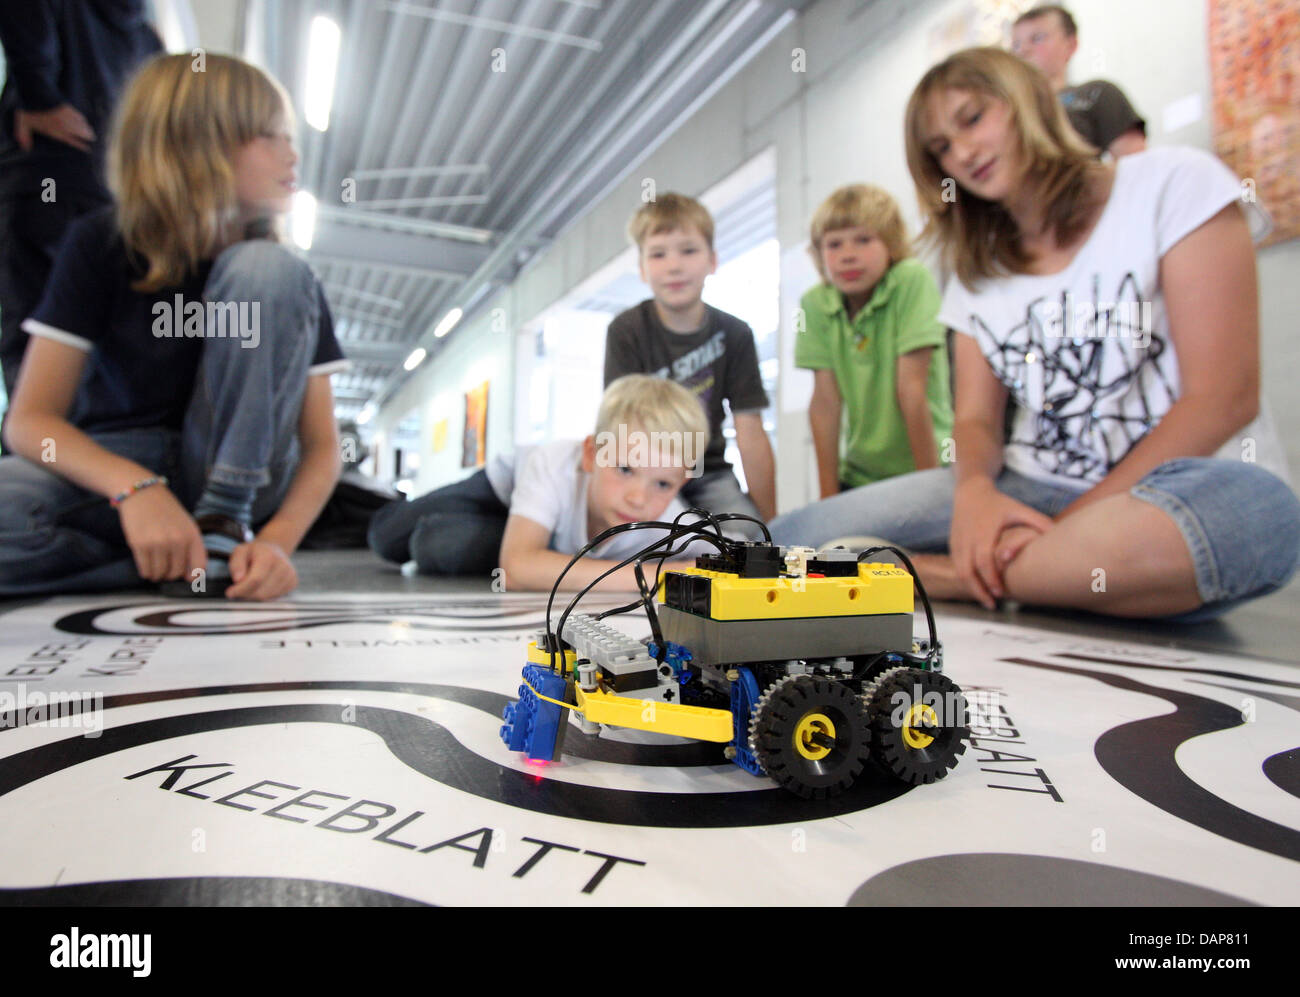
x=223, y=526
x=221, y=535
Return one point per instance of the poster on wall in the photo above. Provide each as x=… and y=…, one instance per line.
x=440, y=436
x=1255, y=76
x=475, y=451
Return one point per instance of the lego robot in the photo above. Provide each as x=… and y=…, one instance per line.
x=802, y=663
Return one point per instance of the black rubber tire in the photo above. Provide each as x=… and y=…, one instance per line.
x=897, y=692
x=776, y=720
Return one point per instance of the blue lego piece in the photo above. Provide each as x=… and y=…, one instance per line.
x=744, y=694
x=533, y=725
x=675, y=656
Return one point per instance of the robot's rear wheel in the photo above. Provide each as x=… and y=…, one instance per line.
x=919, y=723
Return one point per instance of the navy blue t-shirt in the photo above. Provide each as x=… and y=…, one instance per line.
x=134, y=378
x=78, y=52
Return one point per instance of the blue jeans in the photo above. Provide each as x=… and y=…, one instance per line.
x=455, y=530
x=240, y=428
x=1241, y=523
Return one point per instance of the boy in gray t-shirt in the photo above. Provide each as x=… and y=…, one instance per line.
x=1047, y=37
x=677, y=336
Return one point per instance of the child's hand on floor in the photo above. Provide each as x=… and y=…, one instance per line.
x=163, y=537
x=261, y=570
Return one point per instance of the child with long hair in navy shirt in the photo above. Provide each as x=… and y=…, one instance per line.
x=176, y=391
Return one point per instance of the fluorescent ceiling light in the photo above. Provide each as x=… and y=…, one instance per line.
x=322, y=62
x=448, y=323
x=366, y=414
x=415, y=359
x=303, y=219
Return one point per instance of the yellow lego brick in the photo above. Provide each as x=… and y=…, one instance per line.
x=699, y=722
x=878, y=589
x=543, y=658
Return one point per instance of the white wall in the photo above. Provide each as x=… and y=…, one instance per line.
x=841, y=121
x=482, y=351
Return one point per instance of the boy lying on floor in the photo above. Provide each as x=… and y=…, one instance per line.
x=530, y=511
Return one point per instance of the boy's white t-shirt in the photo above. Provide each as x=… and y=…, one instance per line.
x=1072, y=347
x=545, y=483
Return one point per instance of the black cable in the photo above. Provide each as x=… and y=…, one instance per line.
x=645, y=553
x=628, y=607
x=674, y=532
x=925, y=599
x=595, y=542
x=703, y=514
x=729, y=516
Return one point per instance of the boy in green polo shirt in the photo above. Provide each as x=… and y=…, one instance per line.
x=870, y=336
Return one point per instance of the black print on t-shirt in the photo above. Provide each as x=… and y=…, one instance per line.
x=1099, y=398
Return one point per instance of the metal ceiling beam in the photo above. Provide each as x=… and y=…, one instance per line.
x=444, y=257
x=400, y=223
x=529, y=121
x=561, y=185
x=431, y=201
x=364, y=318
x=368, y=351
x=385, y=172
x=376, y=299
x=715, y=66
x=350, y=260
x=505, y=27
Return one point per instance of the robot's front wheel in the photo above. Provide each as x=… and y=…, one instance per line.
x=810, y=734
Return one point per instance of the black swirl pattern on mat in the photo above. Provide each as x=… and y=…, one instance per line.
x=1140, y=757
x=168, y=619
x=434, y=751
x=204, y=891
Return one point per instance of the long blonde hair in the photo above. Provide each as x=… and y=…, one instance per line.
x=978, y=238
x=177, y=128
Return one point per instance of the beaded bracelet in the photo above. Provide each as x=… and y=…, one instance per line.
x=139, y=486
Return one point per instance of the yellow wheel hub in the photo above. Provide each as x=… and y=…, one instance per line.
x=805, y=736
x=912, y=735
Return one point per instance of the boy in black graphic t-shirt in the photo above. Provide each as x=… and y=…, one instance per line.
x=676, y=335
x=1047, y=37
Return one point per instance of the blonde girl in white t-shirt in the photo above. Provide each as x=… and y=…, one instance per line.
x=1117, y=304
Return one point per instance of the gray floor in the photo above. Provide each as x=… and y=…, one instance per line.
x=1267, y=628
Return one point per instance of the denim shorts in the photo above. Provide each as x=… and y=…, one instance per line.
x=1240, y=522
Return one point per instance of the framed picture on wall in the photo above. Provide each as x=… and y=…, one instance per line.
x=475, y=445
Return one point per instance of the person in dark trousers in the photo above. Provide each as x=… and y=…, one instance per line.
x=66, y=61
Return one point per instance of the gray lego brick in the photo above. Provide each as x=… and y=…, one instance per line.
x=725, y=642
x=625, y=662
